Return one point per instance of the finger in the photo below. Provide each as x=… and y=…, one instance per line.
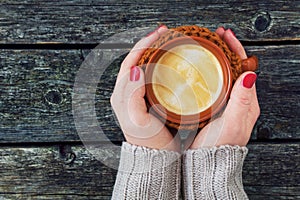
x=220, y=31
x=234, y=44
x=134, y=55
x=134, y=110
x=128, y=97
x=130, y=108
x=241, y=99
x=254, y=108
x=135, y=92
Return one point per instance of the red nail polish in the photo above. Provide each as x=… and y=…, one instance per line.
x=249, y=80
x=232, y=32
x=134, y=73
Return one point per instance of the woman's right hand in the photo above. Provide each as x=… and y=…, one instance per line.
x=139, y=126
x=235, y=125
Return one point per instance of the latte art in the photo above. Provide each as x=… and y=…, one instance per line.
x=187, y=79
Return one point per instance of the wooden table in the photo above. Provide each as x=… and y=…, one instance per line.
x=43, y=45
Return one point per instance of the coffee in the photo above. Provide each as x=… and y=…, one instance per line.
x=187, y=79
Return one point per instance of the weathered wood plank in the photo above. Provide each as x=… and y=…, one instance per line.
x=45, y=173
x=272, y=192
x=278, y=92
x=36, y=95
x=52, y=197
x=42, y=172
x=36, y=89
x=79, y=21
x=273, y=172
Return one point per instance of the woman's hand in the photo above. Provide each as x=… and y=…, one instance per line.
x=139, y=127
x=235, y=125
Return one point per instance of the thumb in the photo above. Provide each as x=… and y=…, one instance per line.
x=242, y=99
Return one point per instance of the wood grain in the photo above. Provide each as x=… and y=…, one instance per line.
x=36, y=89
x=42, y=172
x=37, y=86
x=78, y=21
x=278, y=92
x=42, y=47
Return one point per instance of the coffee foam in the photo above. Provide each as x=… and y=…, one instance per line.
x=187, y=79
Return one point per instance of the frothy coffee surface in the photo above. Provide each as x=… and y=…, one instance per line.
x=187, y=79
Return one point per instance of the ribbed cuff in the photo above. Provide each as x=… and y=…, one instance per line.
x=147, y=174
x=214, y=173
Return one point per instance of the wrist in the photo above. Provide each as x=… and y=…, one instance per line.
x=133, y=157
x=217, y=172
x=159, y=142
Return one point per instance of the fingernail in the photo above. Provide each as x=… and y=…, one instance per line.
x=222, y=27
x=160, y=26
x=134, y=73
x=232, y=32
x=249, y=80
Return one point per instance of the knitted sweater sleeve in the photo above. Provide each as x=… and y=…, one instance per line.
x=147, y=174
x=214, y=173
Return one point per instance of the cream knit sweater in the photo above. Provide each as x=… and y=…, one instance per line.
x=208, y=173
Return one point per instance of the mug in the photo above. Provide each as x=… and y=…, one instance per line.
x=189, y=73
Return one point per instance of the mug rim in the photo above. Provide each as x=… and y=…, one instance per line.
x=215, y=107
